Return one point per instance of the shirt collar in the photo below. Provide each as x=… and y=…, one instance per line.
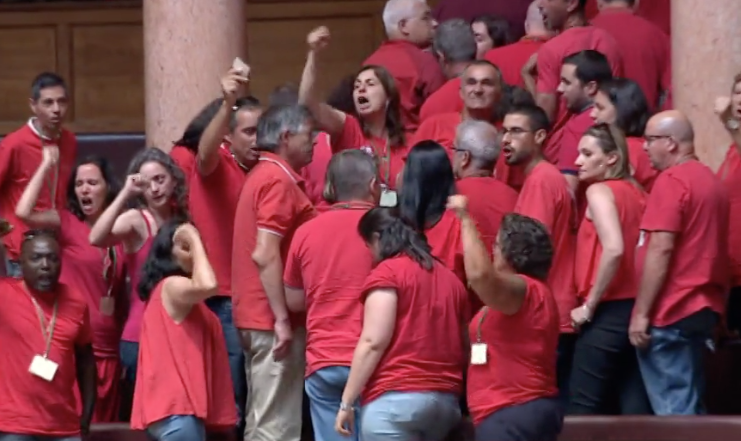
x=280, y=162
x=36, y=132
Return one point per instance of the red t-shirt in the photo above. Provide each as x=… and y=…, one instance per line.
x=390, y=158
x=657, y=12
x=488, y=201
x=94, y=273
x=643, y=171
x=440, y=128
x=272, y=200
x=690, y=201
x=330, y=261
x=645, y=50
x=630, y=202
x=185, y=158
x=562, y=147
x=546, y=198
x=568, y=42
x=183, y=368
x=213, y=202
x=315, y=173
x=730, y=174
x=32, y=405
x=520, y=354
x=510, y=59
x=446, y=99
x=20, y=157
x=416, y=72
x=426, y=351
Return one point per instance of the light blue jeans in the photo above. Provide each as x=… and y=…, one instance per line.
x=17, y=437
x=410, y=416
x=324, y=388
x=178, y=428
x=13, y=269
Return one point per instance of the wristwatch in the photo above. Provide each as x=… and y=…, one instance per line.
x=345, y=407
x=733, y=124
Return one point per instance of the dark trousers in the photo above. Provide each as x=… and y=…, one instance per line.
x=537, y=420
x=733, y=319
x=564, y=364
x=605, y=377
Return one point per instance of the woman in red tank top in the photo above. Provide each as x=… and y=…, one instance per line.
x=183, y=383
x=98, y=274
x=621, y=102
x=156, y=187
x=605, y=375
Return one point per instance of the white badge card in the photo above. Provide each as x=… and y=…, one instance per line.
x=478, y=353
x=43, y=368
x=388, y=198
x=107, y=305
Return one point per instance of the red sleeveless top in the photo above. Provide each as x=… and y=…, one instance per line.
x=183, y=368
x=134, y=263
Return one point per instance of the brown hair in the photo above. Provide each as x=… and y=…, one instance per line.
x=393, y=124
x=736, y=80
x=611, y=140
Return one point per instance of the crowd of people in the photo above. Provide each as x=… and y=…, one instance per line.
x=466, y=228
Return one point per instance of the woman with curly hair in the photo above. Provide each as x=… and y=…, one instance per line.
x=512, y=393
x=155, y=186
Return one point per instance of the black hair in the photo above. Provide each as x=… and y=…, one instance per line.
x=160, y=262
x=395, y=237
x=629, y=2
x=245, y=103
x=193, y=132
x=45, y=80
x=591, y=66
x=180, y=191
x=113, y=185
x=582, y=6
x=537, y=118
x=498, y=29
x=427, y=182
x=36, y=233
x=526, y=245
x=512, y=97
x=631, y=107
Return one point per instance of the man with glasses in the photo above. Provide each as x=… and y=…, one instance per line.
x=683, y=257
x=545, y=196
x=46, y=349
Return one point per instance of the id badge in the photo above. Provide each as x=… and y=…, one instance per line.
x=107, y=305
x=43, y=368
x=388, y=198
x=478, y=353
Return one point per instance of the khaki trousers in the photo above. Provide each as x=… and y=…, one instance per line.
x=275, y=388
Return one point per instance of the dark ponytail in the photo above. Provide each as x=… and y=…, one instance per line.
x=395, y=237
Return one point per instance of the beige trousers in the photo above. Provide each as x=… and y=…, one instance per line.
x=275, y=388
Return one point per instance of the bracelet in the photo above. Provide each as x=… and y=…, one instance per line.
x=345, y=407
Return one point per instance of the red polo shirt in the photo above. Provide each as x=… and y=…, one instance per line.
x=272, y=200
x=690, y=201
x=185, y=158
x=730, y=174
x=488, y=201
x=32, y=405
x=657, y=12
x=446, y=99
x=416, y=72
x=314, y=174
x=511, y=58
x=645, y=50
x=20, y=157
x=330, y=261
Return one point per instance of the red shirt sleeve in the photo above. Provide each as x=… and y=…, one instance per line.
x=351, y=136
x=382, y=276
x=85, y=336
x=665, y=205
x=549, y=70
x=292, y=275
x=275, y=203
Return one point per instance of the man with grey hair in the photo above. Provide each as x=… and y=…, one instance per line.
x=455, y=46
x=326, y=267
x=476, y=150
x=272, y=205
x=417, y=74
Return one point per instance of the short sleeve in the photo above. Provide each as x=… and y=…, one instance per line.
x=665, y=205
x=382, y=276
x=275, y=207
x=292, y=272
x=536, y=202
x=85, y=334
x=351, y=136
x=549, y=70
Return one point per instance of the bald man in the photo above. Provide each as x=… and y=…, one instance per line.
x=683, y=259
x=511, y=58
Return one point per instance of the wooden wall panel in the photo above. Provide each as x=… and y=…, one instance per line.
x=98, y=48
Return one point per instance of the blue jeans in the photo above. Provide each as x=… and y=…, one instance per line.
x=178, y=428
x=129, y=352
x=13, y=269
x=17, y=437
x=222, y=307
x=324, y=388
x=673, y=366
x=410, y=416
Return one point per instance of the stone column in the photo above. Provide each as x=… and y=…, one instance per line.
x=188, y=46
x=706, y=54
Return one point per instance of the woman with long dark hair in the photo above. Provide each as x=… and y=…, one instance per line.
x=97, y=274
x=377, y=129
x=407, y=368
x=605, y=377
x=183, y=383
x=512, y=393
x=156, y=187
x=621, y=102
